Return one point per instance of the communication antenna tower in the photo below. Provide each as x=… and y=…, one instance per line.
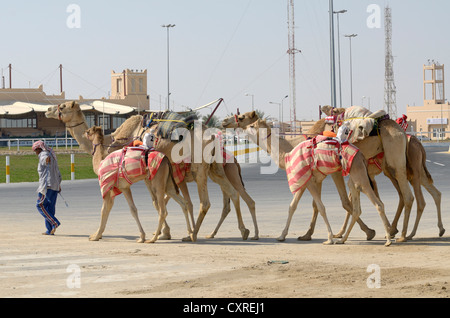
x=390, y=91
x=292, y=51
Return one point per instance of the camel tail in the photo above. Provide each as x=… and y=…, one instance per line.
x=424, y=165
x=177, y=189
x=239, y=169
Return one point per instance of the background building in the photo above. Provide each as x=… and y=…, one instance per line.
x=22, y=111
x=432, y=119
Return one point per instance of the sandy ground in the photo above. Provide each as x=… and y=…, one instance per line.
x=69, y=265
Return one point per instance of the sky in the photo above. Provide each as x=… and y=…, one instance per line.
x=223, y=49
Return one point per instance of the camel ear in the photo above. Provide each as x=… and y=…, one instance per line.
x=252, y=114
x=326, y=110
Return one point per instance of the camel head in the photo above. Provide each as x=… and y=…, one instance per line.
x=68, y=112
x=240, y=121
x=330, y=111
x=93, y=133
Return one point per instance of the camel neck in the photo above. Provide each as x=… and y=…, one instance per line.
x=276, y=151
x=77, y=132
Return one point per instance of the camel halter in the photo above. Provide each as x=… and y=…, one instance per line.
x=60, y=118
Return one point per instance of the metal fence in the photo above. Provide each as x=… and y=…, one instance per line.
x=16, y=143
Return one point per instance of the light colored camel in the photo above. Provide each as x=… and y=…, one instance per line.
x=417, y=173
x=231, y=183
x=161, y=184
x=288, y=145
x=358, y=180
x=227, y=176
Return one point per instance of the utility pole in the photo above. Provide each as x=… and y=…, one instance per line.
x=168, y=26
x=332, y=56
x=350, y=36
x=390, y=91
x=292, y=51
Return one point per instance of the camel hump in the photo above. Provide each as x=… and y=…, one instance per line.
x=377, y=114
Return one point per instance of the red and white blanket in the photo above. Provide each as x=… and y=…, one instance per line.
x=322, y=154
x=126, y=163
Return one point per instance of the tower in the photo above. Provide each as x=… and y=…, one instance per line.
x=433, y=83
x=390, y=91
x=292, y=51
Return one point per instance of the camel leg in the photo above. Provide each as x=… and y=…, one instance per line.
x=229, y=191
x=312, y=225
x=202, y=181
x=292, y=208
x=313, y=189
x=356, y=203
x=232, y=171
x=436, y=194
x=420, y=200
x=346, y=204
x=185, y=192
x=225, y=210
x=162, y=214
x=165, y=232
x=129, y=197
x=107, y=205
x=171, y=191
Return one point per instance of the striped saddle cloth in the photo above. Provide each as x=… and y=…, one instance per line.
x=127, y=163
x=323, y=154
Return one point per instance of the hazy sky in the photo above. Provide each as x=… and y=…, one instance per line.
x=222, y=48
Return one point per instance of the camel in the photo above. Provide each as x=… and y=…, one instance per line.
x=159, y=185
x=288, y=145
x=358, y=181
x=417, y=173
x=392, y=141
x=231, y=184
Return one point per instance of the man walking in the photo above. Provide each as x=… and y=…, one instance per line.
x=49, y=185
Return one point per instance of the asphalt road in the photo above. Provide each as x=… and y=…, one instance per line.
x=270, y=192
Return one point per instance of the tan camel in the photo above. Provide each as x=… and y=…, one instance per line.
x=358, y=180
x=288, y=145
x=231, y=183
x=227, y=176
x=162, y=183
x=417, y=173
x=71, y=115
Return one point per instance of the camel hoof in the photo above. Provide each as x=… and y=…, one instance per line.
x=328, y=242
x=441, y=232
x=340, y=242
x=140, y=240
x=388, y=243
x=393, y=232
x=304, y=238
x=401, y=240
x=370, y=235
x=339, y=235
x=193, y=237
x=150, y=241
x=281, y=239
x=245, y=234
x=211, y=236
x=255, y=238
x=186, y=239
x=94, y=238
x=165, y=237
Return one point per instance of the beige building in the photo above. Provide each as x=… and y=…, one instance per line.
x=432, y=119
x=22, y=111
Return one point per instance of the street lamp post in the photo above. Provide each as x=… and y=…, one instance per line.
x=168, y=26
x=350, y=36
x=279, y=112
x=339, y=54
